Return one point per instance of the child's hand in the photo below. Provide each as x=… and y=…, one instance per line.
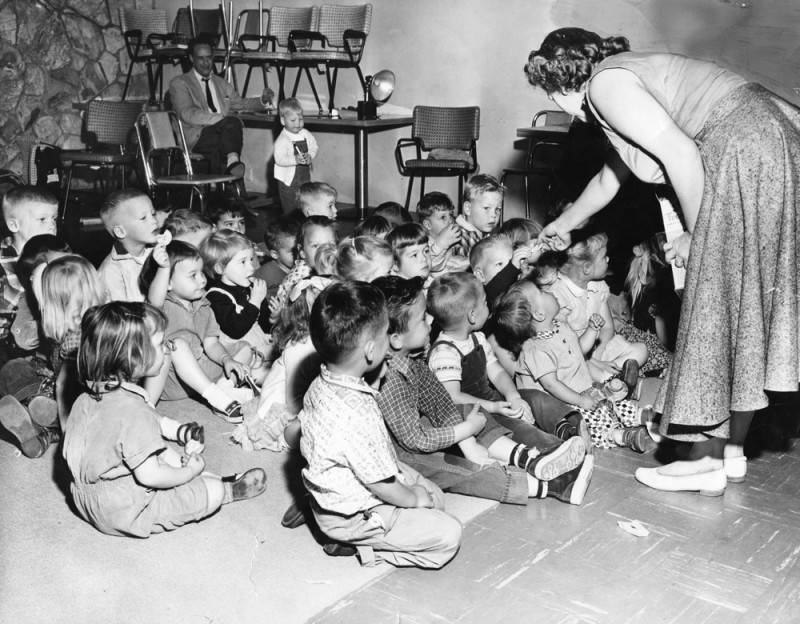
x=160, y=256
x=231, y=366
x=476, y=419
x=195, y=463
x=588, y=401
x=303, y=158
x=424, y=498
x=258, y=292
x=504, y=408
x=522, y=409
x=448, y=237
x=520, y=256
x=596, y=322
x=677, y=251
x=537, y=249
x=274, y=309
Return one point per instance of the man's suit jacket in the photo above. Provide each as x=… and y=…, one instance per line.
x=189, y=101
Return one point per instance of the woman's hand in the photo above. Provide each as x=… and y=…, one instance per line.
x=555, y=236
x=677, y=251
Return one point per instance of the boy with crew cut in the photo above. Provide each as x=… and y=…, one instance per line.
x=426, y=423
x=360, y=494
x=480, y=210
x=280, y=238
x=437, y=215
x=188, y=226
x=129, y=217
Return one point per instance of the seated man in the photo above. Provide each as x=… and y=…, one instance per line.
x=203, y=102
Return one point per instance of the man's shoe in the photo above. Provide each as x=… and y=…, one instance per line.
x=638, y=439
x=710, y=483
x=337, y=549
x=630, y=375
x=235, y=169
x=557, y=460
x=33, y=441
x=571, y=487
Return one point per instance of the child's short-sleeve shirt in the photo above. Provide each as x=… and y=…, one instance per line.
x=345, y=443
x=119, y=272
x=577, y=304
x=560, y=354
x=445, y=361
x=191, y=320
x=104, y=441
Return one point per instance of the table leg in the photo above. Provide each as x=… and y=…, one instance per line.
x=361, y=169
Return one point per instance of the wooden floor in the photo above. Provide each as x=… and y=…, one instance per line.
x=729, y=559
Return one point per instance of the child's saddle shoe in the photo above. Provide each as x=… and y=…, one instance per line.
x=571, y=486
x=557, y=460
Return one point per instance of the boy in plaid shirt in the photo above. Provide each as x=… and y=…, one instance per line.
x=480, y=212
x=425, y=422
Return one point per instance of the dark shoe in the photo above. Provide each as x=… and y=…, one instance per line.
x=247, y=485
x=571, y=487
x=294, y=516
x=33, y=441
x=638, y=439
x=337, y=549
x=233, y=413
x=557, y=460
x=43, y=411
x=630, y=375
x=236, y=169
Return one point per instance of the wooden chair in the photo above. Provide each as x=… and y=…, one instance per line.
x=448, y=135
x=543, y=152
x=107, y=133
x=161, y=142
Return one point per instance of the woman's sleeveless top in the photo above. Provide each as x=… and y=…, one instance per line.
x=686, y=88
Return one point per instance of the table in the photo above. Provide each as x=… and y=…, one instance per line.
x=549, y=134
x=346, y=124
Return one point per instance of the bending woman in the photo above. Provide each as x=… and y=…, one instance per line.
x=731, y=151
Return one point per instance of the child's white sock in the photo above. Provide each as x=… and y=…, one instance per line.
x=216, y=397
x=239, y=394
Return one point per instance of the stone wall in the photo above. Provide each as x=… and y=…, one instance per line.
x=54, y=53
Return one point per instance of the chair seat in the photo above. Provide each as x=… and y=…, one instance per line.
x=276, y=55
x=69, y=158
x=253, y=55
x=194, y=180
x=435, y=163
x=321, y=56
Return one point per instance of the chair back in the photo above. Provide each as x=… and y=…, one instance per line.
x=149, y=21
x=446, y=127
x=159, y=133
x=283, y=20
x=551, y=118
x=335, y=19
x=110, y=122
x=248, y=23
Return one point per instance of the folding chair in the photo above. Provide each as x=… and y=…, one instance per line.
x=161, y=140
x=107, y=133
x=137, y=27
x=543, y=153
x=448, y=135
x=249, y=45
x=342, y=33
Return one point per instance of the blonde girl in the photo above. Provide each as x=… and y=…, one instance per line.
x=363, y=258
x=126, y=480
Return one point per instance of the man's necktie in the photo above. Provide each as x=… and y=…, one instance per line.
x=209, y=99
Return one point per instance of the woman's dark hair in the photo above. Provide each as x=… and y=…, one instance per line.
x=567, y=57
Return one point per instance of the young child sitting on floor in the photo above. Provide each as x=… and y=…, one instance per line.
x=200, y=363
x=393, y=212
x=238, y=299
x=497, y=264
x=480, y=210
x=228, y=215
x=375, y=226
x=126, y=480
x=412, y=254
x=463, y=361
x=280, y=238
x=317, y=199
x=549, y=353
x=425, y=422
x=130, y=219
x=437, y=215
x=581, y=292
x=360, y=494
x=363, y=258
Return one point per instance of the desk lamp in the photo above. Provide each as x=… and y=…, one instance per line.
x=378, y=90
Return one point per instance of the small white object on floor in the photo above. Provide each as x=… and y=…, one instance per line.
x=634, y=527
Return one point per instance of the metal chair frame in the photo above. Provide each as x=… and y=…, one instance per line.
x=242, y=52
x=161, y=133
x=535, y=165
x=107, y=132
x=435, y=127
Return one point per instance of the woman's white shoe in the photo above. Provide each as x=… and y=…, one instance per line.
x=709, y=483
x=735, y=468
